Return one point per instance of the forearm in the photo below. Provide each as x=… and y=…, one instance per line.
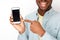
x=22, y=36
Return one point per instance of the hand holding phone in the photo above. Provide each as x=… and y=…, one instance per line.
x=17, y=21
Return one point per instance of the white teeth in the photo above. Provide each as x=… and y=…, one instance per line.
x=43, y=4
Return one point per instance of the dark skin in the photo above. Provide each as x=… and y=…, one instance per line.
x=42, y=10
x=35, y=26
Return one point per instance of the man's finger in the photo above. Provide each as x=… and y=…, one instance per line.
x=28, y=21
x=11, y=17
x=21, y=17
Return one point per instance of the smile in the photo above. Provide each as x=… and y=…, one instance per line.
x=43, y=4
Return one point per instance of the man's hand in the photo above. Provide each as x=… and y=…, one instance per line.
x=36, y=27
x=20, y=27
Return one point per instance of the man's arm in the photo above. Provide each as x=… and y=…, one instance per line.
x=20, y=28
x=35, y=27
x=23, y=36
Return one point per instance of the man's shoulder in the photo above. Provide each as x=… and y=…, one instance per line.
x=31, y=15
x=56, y=16
x=55, y=20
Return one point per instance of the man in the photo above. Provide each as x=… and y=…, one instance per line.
x=38, y=25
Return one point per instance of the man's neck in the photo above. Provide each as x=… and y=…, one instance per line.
x=42, y=12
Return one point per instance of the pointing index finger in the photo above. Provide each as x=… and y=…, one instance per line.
x=28, y=21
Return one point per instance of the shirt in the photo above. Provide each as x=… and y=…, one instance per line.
x=40, y=19
x=49, y=24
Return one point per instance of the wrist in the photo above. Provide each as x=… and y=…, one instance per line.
x=41, y=33
x=21, y=32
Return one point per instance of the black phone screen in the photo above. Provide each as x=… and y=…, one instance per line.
x=16, y=15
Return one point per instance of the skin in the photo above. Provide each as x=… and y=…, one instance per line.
x=19, y=27
x=35, y=27
x=43, y=6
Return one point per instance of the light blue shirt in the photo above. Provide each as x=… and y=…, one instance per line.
x=51, y=24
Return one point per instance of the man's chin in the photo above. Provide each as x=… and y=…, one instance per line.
x=44, y=9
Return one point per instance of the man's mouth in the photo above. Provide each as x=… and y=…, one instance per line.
x=43, y=4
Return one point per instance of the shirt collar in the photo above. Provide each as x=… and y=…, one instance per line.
x=49, y=11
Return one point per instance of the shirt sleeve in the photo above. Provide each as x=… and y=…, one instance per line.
x=47, y=36
x=22, y=36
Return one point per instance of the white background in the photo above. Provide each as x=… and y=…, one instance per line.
x=7, y=31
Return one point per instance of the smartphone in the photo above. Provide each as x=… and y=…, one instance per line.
x=16, y=15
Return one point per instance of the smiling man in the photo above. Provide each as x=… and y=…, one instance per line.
x=38, y=25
